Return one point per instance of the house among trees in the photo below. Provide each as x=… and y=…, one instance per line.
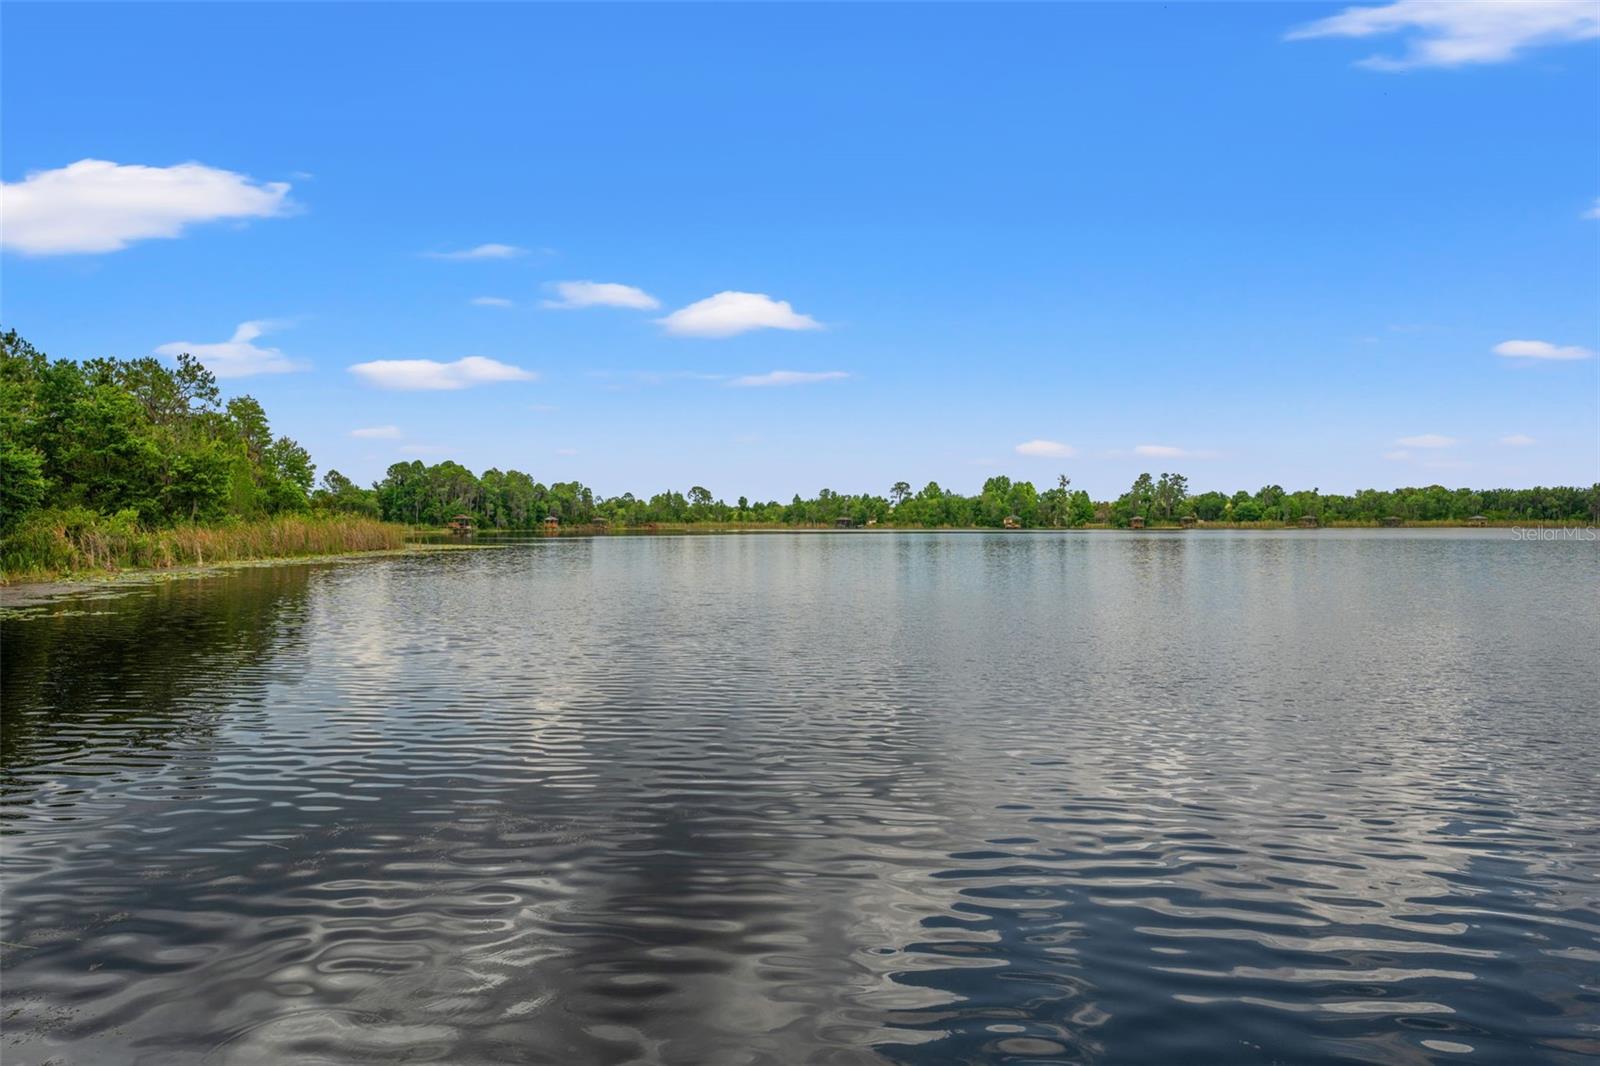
x=1478, y=520
x=552, y=524
x=1309, y=521
x=461, y=523
x=1136, y=522
x=842, y=523
x=1011, y=521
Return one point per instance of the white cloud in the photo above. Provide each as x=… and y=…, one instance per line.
x=236, y=357
x=1159, y=451
x=1452, y=33
x=491, y=301
x=377, y=432
x=98, y=206
x=1046, y=449
x=1594, y=209
x=1517, y=440
x=728, y=313
x=1541, y=350
x=786, y=377
x=1428, y=440
x=482, y=251
x=575, y=294
x=427, y=375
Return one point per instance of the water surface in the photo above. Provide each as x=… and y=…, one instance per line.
x=840, y=798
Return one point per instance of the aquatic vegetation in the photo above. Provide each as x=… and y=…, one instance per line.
x=76, y=540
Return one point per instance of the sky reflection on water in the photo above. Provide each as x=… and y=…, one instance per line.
x=837, y=798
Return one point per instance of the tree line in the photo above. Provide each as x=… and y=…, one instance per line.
x=143, y=441
x=431, y=495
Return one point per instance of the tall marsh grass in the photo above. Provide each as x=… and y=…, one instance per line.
x=74, y=540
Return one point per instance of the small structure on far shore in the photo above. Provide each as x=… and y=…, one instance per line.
x=1392, y=521
x=1478, y=520
x=842, y=523
x=872, y=521
x=1309, y=521
x=552, y=524
x=1188, y=521
x=599, y=523
x=461, y=523
x=1011, y=521
x=1136, y=522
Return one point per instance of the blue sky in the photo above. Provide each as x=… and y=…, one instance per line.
x=955, y=240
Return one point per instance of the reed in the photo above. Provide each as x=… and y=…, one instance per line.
x=69, y=541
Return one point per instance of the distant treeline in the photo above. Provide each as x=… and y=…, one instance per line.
x=432, y=495
x=144, y=443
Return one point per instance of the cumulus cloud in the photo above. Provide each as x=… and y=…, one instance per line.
x=1428, y=440
x=1453, y=33
x=97, y=206
x=1541, y=350
x=490, y=301
x=786, y=377
x=1517, y=440
x=729, y=313
x=576, y=294
x=1046, y=449
x=482, y=251
x=238, y=356
x=377, y=432
x=1159, y=451
x=427, y=375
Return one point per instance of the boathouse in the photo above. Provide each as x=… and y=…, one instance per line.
x=461, y=523
x=1478, y=520
x=1309, y=521
x=1011, y=521
x=1136, y=522
x=1188, y=521
x=842, y=523
x=1392, y=521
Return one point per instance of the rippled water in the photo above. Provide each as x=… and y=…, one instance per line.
x=1309, y=797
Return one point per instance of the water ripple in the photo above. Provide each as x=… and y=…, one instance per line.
x=834, y=799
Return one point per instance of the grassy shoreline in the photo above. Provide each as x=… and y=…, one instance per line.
x=76, y=544
x=67, y=547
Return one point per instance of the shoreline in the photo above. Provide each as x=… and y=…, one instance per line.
x=35, y=587
x=1203, y=527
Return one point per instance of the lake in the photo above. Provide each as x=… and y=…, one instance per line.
x=1306, y=797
